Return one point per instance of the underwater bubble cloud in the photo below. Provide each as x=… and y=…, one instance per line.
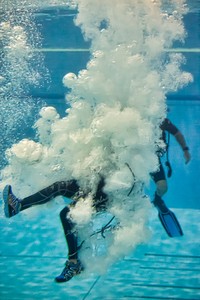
x=116, y=106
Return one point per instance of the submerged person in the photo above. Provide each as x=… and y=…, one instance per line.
x=69, y=189
x=159, y=177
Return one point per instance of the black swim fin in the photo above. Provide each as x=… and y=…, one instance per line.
x=167, y=218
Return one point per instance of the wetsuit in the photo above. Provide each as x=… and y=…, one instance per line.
x=69, y=189
x=166, y=126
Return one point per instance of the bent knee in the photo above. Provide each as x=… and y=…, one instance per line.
x=64, y=212
x=161, y=187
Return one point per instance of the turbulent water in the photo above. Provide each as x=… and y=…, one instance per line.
x=116, y=105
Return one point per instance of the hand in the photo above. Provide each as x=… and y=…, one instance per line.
x=187, y=156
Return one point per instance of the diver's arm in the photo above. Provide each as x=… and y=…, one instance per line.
x=181, y=141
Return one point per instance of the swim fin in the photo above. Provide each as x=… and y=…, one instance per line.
x=170, y=224
x=167, y=218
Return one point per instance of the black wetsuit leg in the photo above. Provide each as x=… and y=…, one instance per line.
x=157, y=176
x=70, y=234
x=67, y=189
x=60, y=188
x=160, y=174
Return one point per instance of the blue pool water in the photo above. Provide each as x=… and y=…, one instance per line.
x=32, y=246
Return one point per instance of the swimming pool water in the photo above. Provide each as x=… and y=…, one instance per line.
x=33, y=249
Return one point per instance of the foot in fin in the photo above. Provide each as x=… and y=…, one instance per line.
x=167, y=218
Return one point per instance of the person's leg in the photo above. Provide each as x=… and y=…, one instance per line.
x=73, y=265
x=13, y=205
x=60, y=188
x=70, y=234
x=161, y=188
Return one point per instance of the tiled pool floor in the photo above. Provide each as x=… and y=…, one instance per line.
x=164, y=269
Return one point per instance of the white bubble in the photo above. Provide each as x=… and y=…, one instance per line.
x=69, y=79
x=26, y=151
x=49, y=113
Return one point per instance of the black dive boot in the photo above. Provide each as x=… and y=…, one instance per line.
x=70, y=270
x=12, y=204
